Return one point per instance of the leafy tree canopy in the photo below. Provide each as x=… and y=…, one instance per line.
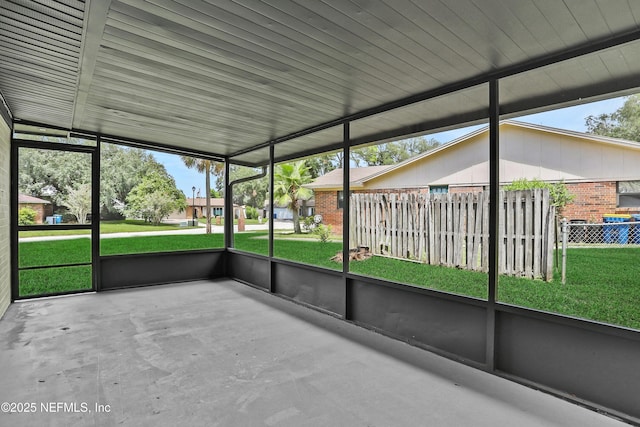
x=121, y=169
x=289, y=179
x=78, y=201
x=392, y=152
x=250, y=193
x=52, y=174
x=155, y=197
x=623, y=123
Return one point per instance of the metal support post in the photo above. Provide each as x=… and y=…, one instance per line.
x=565, y=239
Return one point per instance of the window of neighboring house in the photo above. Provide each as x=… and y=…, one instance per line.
x=217, y=211
x=305, y=211
x=340, y=199
x=628, y=193
x=438, y=189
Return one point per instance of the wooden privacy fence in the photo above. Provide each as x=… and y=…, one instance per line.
x=453, y=229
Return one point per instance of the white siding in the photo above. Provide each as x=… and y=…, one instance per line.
x=525, y=153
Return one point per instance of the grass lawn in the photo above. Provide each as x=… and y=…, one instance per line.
x=143, y=244
x=54, y=280
x=107, y=227
x=305, y=248
x=603, y=284
x=235, y=221
x=54, y=252
x=134, y=225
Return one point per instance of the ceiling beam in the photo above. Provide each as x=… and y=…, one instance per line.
x=95, y=19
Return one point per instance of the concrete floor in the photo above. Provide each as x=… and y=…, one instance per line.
x=223, y=354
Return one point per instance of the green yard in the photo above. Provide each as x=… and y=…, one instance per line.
x=602, y=284
x=108, y=227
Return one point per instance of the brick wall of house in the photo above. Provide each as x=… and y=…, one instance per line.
x=593, y=200
x=467, y=189
x=5, y=209
x=327, y=206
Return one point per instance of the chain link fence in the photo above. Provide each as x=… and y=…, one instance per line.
x=617, y=233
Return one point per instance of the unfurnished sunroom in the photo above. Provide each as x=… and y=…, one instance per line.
x=102, y=99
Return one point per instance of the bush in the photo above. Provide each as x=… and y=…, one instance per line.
x=558, y=192
x=308, y=224
x=323, y=232
x=26, y=216
x=252, y=213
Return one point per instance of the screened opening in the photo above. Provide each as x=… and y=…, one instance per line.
x=306, y=201
x=153, y=201
x=568, y=244
x=418, y=205
x=250, y=195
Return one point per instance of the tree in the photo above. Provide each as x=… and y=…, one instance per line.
x=51, y=174
x=392, y=152
x=623, y=123
x=121, y=169
x=251, y=193
x=78, y=201
x=155, y=197
x=288, y=191
x=324, y=163
x=207, y=167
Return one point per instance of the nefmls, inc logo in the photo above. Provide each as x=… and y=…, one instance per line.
x=66, y=407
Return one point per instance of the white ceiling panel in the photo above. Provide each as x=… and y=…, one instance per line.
x=225, y=76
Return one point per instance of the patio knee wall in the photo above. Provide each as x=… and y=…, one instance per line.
x=5, y=215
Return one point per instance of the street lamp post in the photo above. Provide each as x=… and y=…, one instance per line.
x=193, y=205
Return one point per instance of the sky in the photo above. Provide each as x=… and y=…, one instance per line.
x=571, y=118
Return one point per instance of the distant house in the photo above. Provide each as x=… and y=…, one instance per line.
x=307, y=208
x=43, y=208
x=197, y=208
x=601, y=172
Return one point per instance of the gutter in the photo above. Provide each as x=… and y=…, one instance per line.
x=249, y=178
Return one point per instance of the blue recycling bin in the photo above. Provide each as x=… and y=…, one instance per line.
x=58, y=219
x=635, y=232
x=614, y=229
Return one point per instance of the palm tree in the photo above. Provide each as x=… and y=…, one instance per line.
x=208, y=167
x=289, y=179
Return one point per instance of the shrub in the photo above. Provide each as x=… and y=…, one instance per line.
x=323, y=232
x=26, y=216
x=251, y=212
x=308, y=224
x=558, y=192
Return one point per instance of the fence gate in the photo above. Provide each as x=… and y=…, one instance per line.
x=453, y=229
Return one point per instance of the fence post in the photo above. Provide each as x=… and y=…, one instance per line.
x=565, y=235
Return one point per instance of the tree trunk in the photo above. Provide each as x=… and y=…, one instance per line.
x=208, y=188
x=296, y=222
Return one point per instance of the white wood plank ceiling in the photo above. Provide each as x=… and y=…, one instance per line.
x=222, y=76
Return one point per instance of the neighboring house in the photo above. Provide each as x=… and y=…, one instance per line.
x=43, y=208
x=198, y=206
x=603, y=173
x=307, y=208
